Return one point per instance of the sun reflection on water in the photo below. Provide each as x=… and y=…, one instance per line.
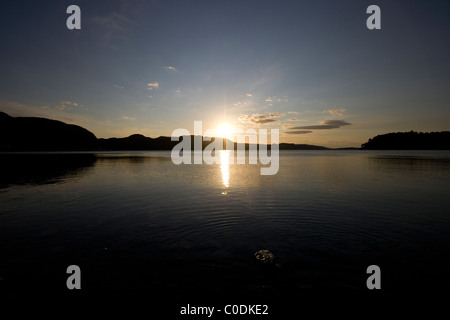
x=225, y=167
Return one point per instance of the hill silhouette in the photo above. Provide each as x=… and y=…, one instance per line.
x=136, y=142
x=40, y=134
x=409, y=141
x=140, y=142
x=293, y=146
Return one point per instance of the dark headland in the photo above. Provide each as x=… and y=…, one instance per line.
x=409, y=141
x=40, y=134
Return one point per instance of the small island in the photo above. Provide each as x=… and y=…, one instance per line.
x=409, y=141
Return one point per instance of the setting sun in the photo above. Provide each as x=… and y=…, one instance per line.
x=225, y=130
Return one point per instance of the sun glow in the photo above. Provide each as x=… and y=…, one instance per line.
x=225, y=131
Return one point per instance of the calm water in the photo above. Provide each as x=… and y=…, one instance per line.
x=140, y=226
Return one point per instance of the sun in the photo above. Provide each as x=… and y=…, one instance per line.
x=224, y=130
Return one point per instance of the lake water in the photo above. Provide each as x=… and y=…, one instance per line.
x=140, y=227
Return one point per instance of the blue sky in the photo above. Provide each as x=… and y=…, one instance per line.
x=310, y=69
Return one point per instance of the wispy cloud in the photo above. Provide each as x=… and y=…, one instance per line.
x=336, y=112
x=249, y=95
x=128, y=118
x=294, y=119
x=258, y=119
x=152, y=85
x=113, y=26
x=113, y=21
x=294, y=112
x=275, y=99
x=298, y=132
x=327, y=124
x=65, y=105
x=170, y=68
x=240, y=104
x=118, y=87
x=71, y=103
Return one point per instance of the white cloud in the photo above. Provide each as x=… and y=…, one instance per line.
x=249, y=95
x=336, y=112
x=240, y=104
x=258, y=119
x=152, y=85
x=170, y=68
x=69, y=103
x=128, y=118
x=65, y=105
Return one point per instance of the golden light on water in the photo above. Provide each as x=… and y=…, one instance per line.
x=225, y=167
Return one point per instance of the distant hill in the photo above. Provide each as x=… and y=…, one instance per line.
x=409, y=141
x=136, y=142
x=40, y=134
x=292, y=146
x=140, y=142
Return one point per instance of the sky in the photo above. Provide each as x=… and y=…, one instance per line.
x=311, y=69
